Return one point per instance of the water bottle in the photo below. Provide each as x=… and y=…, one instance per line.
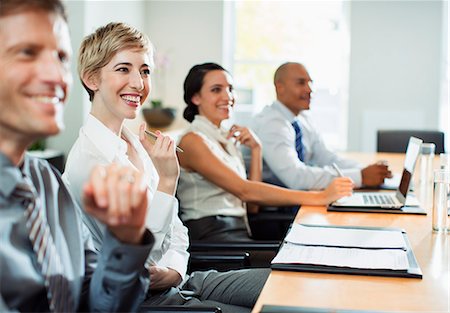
x=426, y=176
x=441, y=201
x=444, y=161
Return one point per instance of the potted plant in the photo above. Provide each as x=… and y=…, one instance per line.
x=158, y=116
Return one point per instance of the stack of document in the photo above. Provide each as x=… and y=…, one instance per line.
x=358, y=248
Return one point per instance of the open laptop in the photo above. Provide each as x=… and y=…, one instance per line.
x=387, y=200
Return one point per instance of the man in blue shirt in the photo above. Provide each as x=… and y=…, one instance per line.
x=47, y=259
x=294, y=153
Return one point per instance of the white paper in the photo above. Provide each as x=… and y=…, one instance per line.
x=394, y=259
x=345, y=237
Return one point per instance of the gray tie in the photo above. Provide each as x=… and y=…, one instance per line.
x=58, y=289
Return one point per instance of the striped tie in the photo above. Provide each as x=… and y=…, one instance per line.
x=58, y=291
x=298, y=141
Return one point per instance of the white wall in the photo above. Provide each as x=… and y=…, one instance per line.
x=73, y=112
x=84, y=18
x=188, y=33
x=395, y=65
x=396, y=53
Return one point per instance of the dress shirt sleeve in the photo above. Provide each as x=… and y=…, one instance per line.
x=280, y=155
x=117, y=279
x=177, y=257
x=160, y=217
x=322, y=157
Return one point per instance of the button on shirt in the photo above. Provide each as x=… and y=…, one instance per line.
x=96, y=144
x=115, y=284
x=281, y=166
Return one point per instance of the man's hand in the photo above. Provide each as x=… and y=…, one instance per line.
x=117, y=196
x=162, y=152
x=162, y=278
x=374, y=174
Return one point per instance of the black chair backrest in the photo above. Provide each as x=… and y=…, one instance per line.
x=397, y=140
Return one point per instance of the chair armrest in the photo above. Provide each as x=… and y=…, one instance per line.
x=200, y=245
x=222, y=261
x=178, y=308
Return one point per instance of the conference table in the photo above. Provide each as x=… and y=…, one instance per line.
x=358, y=292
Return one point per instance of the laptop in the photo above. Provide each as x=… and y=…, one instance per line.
x=387, y=200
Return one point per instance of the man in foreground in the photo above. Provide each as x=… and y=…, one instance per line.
x=47, y=260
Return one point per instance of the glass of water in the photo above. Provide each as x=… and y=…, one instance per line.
x=441, y=200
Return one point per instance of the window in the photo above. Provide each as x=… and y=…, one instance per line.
x=269, y=33
x=445, y=106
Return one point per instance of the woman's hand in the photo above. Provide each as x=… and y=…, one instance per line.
x=117, y=196
x=162, y=152
x=245, y=136
x=338, y=188
x=163, y=277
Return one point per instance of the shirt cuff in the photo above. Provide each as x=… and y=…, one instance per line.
x=355, y=175
x=126, y=258
x=161, y=212
x=176, y=261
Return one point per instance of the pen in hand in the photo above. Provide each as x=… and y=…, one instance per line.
x=154, y=137
x=338, y=170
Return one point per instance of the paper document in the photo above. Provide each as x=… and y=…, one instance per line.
x=394, y=259
x=345, y=237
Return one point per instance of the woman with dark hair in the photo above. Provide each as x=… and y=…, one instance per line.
x=213, y=187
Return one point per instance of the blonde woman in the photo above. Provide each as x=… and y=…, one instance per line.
x=114, y=65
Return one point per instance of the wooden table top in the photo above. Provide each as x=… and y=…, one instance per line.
x=357, y=292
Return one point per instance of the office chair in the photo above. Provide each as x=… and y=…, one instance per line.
x=271, y=223
x=233, y=254
x=397, y=140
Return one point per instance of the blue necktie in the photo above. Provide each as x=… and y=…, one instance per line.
x=298, y=140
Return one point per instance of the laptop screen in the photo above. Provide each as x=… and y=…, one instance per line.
x=412, y=152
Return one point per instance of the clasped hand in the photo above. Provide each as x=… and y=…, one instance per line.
x=244, y=136
x=117, y=196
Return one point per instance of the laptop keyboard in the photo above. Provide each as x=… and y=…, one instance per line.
x=378, y=199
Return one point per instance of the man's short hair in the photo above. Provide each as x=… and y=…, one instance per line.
x=98, y=48
x=8, y=7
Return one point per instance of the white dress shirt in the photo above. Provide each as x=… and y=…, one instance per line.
x=281, y=163
x=198, y=196
x=97, y=144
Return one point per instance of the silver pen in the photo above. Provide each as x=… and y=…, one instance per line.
x=155, y=136
x=338, y=170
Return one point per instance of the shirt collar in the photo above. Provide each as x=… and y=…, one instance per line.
x=284, y=111
x=10, y=175
x=107, y=142
x=206, y=126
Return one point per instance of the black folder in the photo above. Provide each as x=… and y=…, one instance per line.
x=300, y=309
x=403, y=210
x=413, y=271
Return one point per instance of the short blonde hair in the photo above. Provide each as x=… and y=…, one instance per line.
x=98, y=48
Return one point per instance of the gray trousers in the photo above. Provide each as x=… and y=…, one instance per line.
x=232, y=291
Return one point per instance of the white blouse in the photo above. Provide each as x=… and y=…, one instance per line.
x=198, y=196
x=96, y=144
